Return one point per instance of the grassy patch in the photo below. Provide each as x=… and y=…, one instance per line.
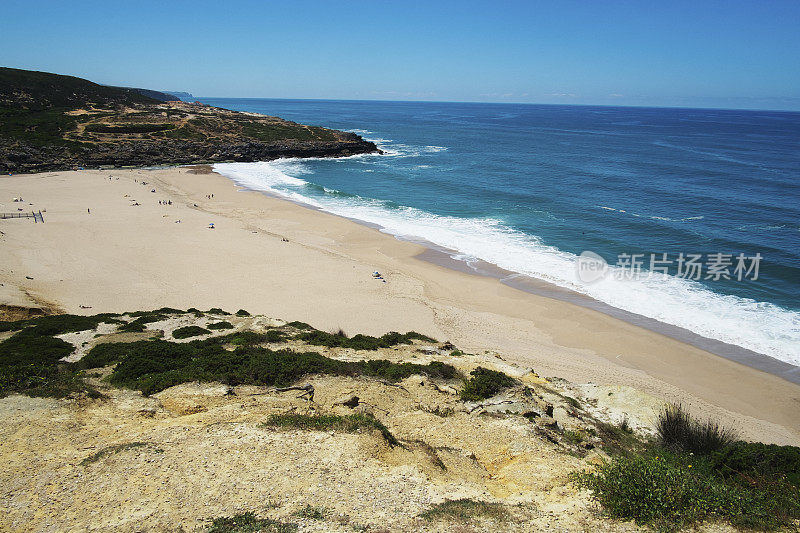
x=680, y=432
x=249, y=523
x=224, y=324
x=348, y=424
x=312, y=512
x=127, y=128
x=189, y=331
x=465, y=510
x=484, y=384
x=111, y=450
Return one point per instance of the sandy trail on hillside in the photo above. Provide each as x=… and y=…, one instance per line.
x=122, y=256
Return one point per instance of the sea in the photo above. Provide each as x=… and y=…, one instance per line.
x=688, y=218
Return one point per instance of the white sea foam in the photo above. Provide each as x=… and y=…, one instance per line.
x=758, y=326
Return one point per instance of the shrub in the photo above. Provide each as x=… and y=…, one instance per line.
x=649, y=489
x=141, y=320
x=31, y=364
x=678, y=431
x=220, y=325
x=151, y=366
x=249, y=523
x=754, y=459
x=360, y=342
x=249, y=338
x=299, y=325
x=347, y=424
x=50, y=325
x=671, y=491
x=217, y=311
x=242, y=312
x=484, y=383
x=189, y=331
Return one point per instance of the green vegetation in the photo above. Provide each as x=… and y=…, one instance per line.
x=465, y=510
x=58, y=324
x=678, y=431
x=189, y=331
x=347, y=424
x=152, y=366
x=360, y=342
x=51, y=121
x=299, y=325
x=484, y=384
x=242, y=312
x=694, y=471
x=249, y=523
x=127, y=128
x=30, y=363
x=217, y=311
x=314, y=513
x=111, y=450
x=142, y=319
x=220, y=325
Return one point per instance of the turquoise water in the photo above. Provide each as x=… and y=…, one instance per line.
x=529, y=188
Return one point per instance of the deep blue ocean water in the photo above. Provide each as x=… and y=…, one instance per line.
x=529, y=187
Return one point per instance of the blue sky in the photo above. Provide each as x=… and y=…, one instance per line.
x=733, y=54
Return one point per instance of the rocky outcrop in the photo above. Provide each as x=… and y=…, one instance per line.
x=20, y=157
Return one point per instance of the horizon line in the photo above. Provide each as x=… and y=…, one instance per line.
x=797, y=111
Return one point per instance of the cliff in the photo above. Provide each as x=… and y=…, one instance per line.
x=54, y=122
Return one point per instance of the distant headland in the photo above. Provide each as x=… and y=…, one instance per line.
x=55, y=122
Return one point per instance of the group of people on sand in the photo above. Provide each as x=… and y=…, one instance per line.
x=165, y=202
x=209, y=196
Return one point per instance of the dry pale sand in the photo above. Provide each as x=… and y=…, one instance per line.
x=123, y=257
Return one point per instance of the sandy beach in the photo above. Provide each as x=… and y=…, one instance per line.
x=108, y=245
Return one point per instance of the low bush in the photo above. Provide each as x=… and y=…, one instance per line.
x=673, y=491
x=242, y=312
x=217, y=311
x=347, y=424
x=299, y=325
x=220, y=325
x=50, y=325
x=750, y=460
x=189, y=331
x=128, y=128
x=152, y=366
x=141, y=320
x=31, y=364
x=360, y=342
x=484, y=384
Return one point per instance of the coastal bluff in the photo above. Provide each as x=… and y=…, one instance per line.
x=53, y=122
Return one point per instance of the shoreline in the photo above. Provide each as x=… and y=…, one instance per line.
x=122, y=258
x=440, y=256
